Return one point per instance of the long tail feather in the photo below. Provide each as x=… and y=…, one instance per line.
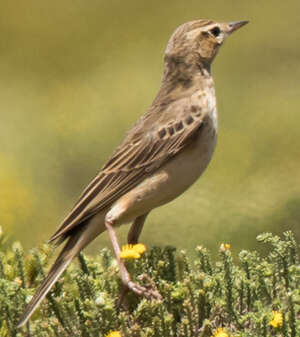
x=78, y=239
x=70, y=250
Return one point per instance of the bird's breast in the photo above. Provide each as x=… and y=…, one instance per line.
x=180, y=172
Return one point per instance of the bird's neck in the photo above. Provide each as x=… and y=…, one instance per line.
x=185, y=70
x=182, y=78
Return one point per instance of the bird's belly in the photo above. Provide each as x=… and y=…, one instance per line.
x=170, y=181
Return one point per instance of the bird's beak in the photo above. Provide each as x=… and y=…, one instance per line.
x=233, y=26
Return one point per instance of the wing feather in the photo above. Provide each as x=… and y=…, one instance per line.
x=128, y=167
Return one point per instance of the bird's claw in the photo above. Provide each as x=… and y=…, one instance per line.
x=150, y=293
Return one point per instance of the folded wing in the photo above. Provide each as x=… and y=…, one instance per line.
x=133, y=160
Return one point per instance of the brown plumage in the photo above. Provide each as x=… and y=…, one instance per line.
x=161, y=156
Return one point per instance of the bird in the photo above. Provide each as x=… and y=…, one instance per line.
x=161, y=156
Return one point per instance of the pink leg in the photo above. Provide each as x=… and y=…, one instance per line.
x=132, y=239
x=139, y=290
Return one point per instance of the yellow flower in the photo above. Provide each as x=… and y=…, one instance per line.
x=220, y=332
x=18, y=281
x=224, y=246
x=113, y=334
x=277, y=319
x=132, y=251
x=140, y=248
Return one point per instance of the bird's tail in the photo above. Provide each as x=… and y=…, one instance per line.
x=71, y=249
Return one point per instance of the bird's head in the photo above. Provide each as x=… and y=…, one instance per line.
x=199, y=41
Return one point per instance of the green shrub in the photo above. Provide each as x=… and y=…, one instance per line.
x=247, y=296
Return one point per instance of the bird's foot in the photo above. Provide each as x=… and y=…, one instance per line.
x=143, y=291
x=149, y=291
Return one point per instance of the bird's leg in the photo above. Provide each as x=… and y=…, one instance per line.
x=132, y=239
x=136, y=229
x=138, y=289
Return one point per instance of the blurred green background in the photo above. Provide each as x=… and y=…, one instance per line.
x=75, y=75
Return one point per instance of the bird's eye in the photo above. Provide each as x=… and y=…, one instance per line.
x=215, y=31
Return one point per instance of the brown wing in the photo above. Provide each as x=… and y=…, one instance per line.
x=128, y=166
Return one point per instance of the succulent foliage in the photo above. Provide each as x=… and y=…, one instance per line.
x=241, y=294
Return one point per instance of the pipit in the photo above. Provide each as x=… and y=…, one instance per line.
x=162, y=155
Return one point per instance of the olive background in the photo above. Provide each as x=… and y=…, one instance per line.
x=75, y=75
